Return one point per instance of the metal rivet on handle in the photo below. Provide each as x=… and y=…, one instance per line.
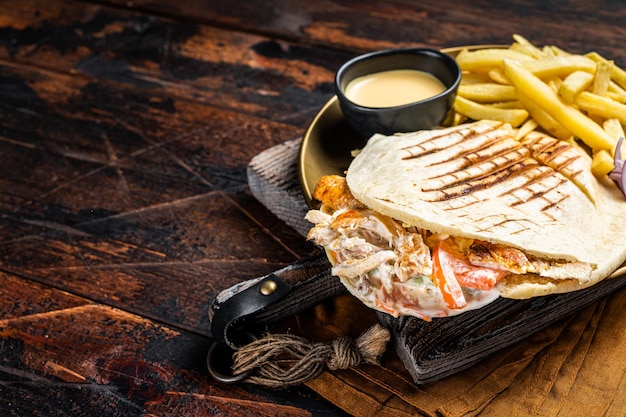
x=268, y=287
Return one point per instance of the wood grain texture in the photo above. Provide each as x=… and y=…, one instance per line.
x=273, y=180
x=125, y=209
x=369, y=25
x=120, y=364
x=232, y=70
x=157, y=206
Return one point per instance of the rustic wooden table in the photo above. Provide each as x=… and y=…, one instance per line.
x=125, y=132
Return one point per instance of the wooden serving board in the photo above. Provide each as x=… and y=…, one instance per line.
x=436, y=349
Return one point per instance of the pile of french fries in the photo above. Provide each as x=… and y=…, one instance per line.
x=570, y=96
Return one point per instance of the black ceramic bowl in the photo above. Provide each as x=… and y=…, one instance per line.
x=422, y=114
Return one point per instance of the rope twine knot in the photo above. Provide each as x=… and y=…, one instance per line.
x=283, y=360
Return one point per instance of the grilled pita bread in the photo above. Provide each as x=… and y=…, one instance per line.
x=478, y=181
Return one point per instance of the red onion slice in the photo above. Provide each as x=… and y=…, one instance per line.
x=617, y=174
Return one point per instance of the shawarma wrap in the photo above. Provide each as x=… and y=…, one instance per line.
x=434, y=223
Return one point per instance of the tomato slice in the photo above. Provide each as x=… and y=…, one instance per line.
x=478, y=277
x=452, y=270
x=445, y=278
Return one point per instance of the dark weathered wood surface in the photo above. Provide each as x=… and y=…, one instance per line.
x=125, y=132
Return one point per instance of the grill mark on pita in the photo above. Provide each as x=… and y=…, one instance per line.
x=481, y=153
x=521, y=223
x=518, y=222
x=540, y=144
x=563, y=158
x=505, y=160
x=486, y=167
x=464, y=204
x=563, y=166
x=538, y=176
x=544, y=192
x=551, y=204
x=421, y=149
x=485, y=224
x=550, y=150
x=534, y=141
x=576, y=174
x=487, y=180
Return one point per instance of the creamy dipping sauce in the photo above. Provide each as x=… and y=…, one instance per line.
x=393, y=88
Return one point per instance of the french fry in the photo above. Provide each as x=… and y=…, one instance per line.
x=548, y=51
x=475, y=78
x=487, y=92
x=616, y=97
x=497, y=75
x=528, y=126
x=544, y=120
x=602, y=78
x=601, y=106
x=598, y=119
x=574, y=120
x=616, y=92
x=485, y=59
x=614, y=128
x=458, y=118
x=556, y=51
x=574, y=84
x=554, y=83
x=529, y=47
x=513, y=104
x=479, y=111
x=602, y=163
x=617, y=74
x=527, y=50
x=560, y=66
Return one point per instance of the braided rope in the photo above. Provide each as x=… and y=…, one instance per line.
x=283, y=360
